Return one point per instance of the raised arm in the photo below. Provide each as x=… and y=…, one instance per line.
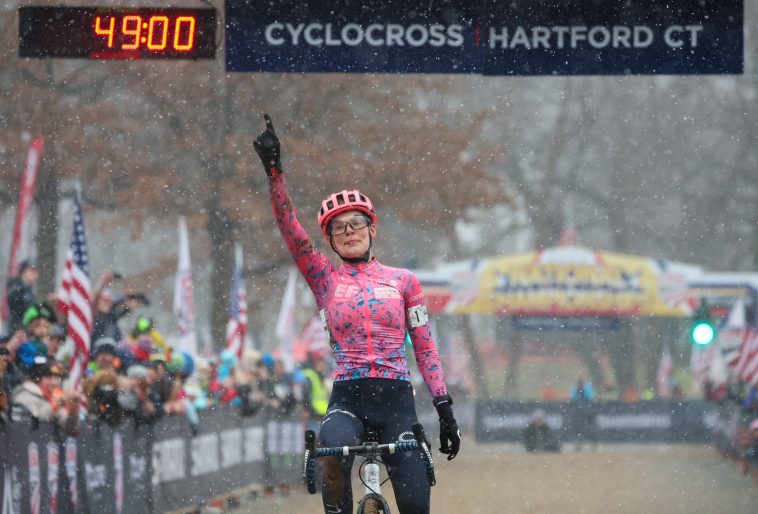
x=313, y=264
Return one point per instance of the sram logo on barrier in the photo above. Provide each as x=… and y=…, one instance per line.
x=519, y=37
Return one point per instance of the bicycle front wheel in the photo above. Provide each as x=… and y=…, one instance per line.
x=373, y=503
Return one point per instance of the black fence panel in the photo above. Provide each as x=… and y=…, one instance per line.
x=225, y=454
x=96, y=470
x=648, y=421
x=138, y=468
x=31, y=485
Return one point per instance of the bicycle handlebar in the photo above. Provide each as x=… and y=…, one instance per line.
x=367, y=448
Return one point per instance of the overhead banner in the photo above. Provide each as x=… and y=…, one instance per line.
x=544, y=288
x=490, y=37
x=634, y=37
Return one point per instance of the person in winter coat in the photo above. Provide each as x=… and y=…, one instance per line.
x=41, y=396
x=21, y=294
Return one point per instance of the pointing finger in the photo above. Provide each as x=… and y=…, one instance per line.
x=269, y=123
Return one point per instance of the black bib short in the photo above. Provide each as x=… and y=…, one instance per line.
x=387, y=407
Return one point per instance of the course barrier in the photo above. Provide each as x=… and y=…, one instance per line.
x=647, y=421
x=139, y=468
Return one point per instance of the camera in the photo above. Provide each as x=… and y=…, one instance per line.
x=105, y=399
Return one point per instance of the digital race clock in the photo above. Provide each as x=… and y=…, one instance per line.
x=117, y=33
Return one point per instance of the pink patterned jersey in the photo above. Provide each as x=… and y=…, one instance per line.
x=366, y=307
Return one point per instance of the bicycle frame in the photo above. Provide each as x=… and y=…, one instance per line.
x=371, y=481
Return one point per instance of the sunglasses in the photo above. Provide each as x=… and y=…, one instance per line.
x=338, y=227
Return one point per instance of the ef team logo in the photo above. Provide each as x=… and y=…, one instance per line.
x=346, y=292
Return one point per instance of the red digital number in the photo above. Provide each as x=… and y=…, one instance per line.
x=162, y=23
x=100, y=31
x=131, y=26
x=154, y=32
x=189, y=40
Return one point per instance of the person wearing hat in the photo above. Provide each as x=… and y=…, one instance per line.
x=38, y=319
x=144, y=327
x=104, y=356
x=37, y=323
x=41, y=396
x=21, y=293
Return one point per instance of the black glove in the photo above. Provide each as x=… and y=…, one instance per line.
x=450, y=436
x=268, y=149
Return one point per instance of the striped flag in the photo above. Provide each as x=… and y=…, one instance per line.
x=236, y=326
x=733, y=333
x=746, y=366
x=285, y=323
x=26, y=197
x=74, y=298
x=184, y=304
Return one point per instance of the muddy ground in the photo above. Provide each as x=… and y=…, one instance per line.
x=611, y=479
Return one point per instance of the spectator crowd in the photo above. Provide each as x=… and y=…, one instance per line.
x=738, y=401
x=133, y=373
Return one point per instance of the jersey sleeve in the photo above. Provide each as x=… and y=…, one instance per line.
x=424, y=348
x=313, y=265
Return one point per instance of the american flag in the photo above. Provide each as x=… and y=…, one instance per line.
x=74, y=298
x=746, y=365
x=733, y=333
x=236, y=326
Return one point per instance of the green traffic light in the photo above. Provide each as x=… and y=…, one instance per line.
x=703, y=333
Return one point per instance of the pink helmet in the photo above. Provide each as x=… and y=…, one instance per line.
x=344, y=201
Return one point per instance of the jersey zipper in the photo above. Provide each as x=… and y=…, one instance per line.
x=369, y=345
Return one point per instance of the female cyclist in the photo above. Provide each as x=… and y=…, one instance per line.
x=368, y=308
